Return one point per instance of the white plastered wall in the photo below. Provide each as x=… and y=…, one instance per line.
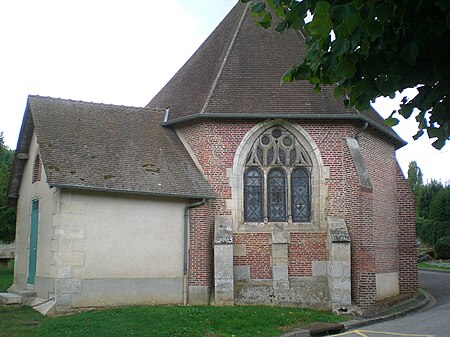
x=118, y=249
x=28, y=192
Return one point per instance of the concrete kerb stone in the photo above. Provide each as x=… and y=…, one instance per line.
x=415, y=305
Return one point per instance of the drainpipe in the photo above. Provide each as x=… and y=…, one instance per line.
x=359, y=131
x=166, y=115
x=185, y=256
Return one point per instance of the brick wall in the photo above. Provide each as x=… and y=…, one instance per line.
x=407, y=256
x=380, y=234
x=258, y=254
x=200, y=248
x=380, y=163
x=304, y=248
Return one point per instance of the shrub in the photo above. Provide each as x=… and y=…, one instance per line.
x=430, y=231
x=442, y=248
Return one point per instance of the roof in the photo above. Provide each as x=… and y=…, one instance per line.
x=236, y=73
x=106, y=148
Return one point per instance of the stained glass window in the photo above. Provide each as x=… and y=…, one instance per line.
x=300, y=205
x=253, y=195
x=276, y=195
x=285, y=194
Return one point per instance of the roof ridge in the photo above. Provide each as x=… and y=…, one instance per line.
x=225, y=58
x=85, y=102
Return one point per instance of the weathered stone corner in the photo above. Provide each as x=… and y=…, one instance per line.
x=223, y=261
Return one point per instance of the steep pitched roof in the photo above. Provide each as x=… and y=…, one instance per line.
x=106, y=148
x=236, y=73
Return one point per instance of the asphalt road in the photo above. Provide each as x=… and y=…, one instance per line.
x=434, y=320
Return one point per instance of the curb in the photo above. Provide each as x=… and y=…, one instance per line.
x=434, y=271
x=428, y=300
x=358, y=323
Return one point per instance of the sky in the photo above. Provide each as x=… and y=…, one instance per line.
x=123, y=52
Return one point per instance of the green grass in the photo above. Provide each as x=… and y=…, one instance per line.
x=183, y=321
x=6, y=278
x=157, y=321
x=434, y=265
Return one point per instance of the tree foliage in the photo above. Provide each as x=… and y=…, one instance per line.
x=415, y=178
x=369, y=49
x=440, y=206
x=442, y=248
x=7, y=215
x=425, y=197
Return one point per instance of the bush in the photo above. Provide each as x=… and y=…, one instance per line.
x=430, y=231
x=442, y=248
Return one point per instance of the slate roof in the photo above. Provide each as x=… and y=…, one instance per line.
x=236, y=73
x=107, y=148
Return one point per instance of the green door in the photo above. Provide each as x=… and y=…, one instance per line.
x=33, y=241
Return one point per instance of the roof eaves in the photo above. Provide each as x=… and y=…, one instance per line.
x=112, y=190
x=400, y=142
x=20, y=157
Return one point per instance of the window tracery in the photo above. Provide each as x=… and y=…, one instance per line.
x=277, y=179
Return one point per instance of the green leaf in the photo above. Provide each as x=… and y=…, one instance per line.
x=266, y=22
x=281, y=26
x=406, y=110
x=418, y=134
x=439, y=143
x=288, y=76
x=321, y=23
x=302, y=72
x=346, y=69
x=391, y=121
x=348, y=26
x=340, y=46
x=258, y=8
x=339, y=92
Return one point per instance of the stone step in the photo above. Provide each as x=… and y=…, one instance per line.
x=26, y=295
x=8, y=299
x=45, y=307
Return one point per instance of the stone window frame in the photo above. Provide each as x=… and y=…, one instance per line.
x=317, y=181
x=36, y=173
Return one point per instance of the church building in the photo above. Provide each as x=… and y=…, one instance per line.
x=228, y=188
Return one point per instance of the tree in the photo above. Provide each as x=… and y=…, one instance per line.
x=440, y=206
x=369, y=49
x=7, y=215
x=415, y=178
x=426, y=196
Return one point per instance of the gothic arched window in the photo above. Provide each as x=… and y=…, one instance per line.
x=277, y=179
x=253, y=191
x=300, y=195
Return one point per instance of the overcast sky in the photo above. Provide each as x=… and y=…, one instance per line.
x=123, y=52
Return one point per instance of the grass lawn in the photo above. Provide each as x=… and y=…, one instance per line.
x=6, y=278
x=158, y=321
x=435, y=265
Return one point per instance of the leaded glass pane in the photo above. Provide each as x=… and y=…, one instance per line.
x=270, y=155
x=282, y=156
x=253, y=195
x=276, y=195
x=301, y=204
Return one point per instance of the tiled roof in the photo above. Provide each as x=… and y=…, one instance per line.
x=237, y=72
x=108, y=148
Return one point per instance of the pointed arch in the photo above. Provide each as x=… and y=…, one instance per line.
x=255, y=150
